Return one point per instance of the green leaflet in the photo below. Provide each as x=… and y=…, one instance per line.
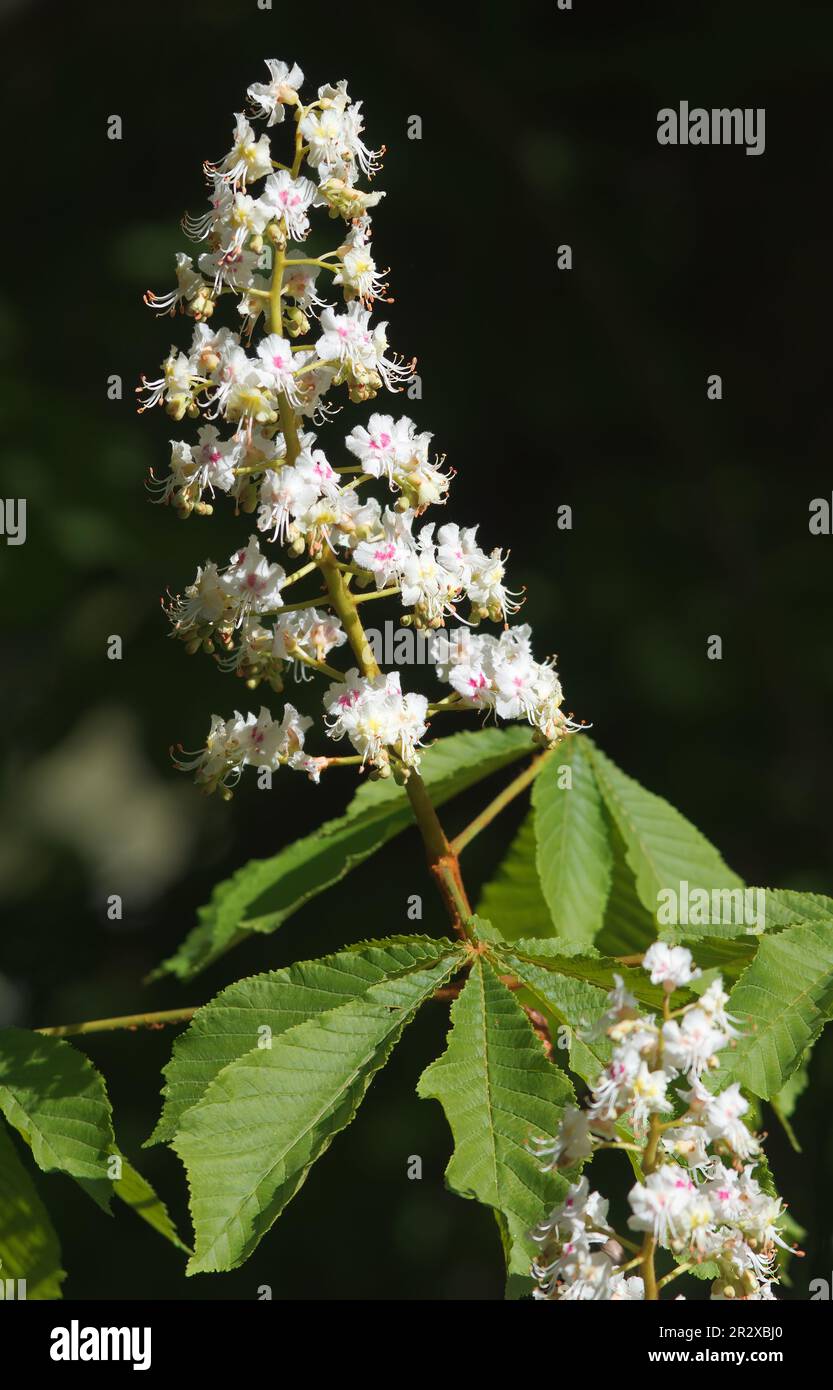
x=29, y=1247
x=628, y=928
x=135, y=1190
x=573, y=1004
x=249, y=1143
x=267, y=1005
x=498, y=1090
x=52, y=1094
x=786, y=908
x=783, y=1000
x=265, y=892
x=663, y=849
x=573, y=854
x=787, y=1099
x=595, y=969
x=55, y=1098
x=513, y=899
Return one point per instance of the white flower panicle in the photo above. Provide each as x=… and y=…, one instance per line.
x=259, y=388
x=700, y=1197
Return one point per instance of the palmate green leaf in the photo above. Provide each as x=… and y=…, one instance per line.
x=263, y=1006
x=662, y=848
x=251, y=1139
x=573, y=854
x=54, y=1097
x=498, y=1090
x=783, y=999
x=265, y=892
x=29, y=1247
x=513, y=899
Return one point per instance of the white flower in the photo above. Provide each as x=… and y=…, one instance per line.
x=358, y=275
x=626, y=1288
x=258, y=740
x=581, y=1209
x=689, y=1045
x=586, y=1276
x=252, y=583
x=621, y=1007
x=276, y=363
x=426, y=584
x=689, y=1142
x=383, y=443
x=248, y=159
x=723, y=1121
x=334, y=136
x=323, y=132
x=220, y=761
x=214, y=458
x=572, y=1142
x=288, y=199
x=376, y=717
x=346, y=337
x=340, y=519
x=299, y=284
x=173, y=387
x=308, y=631
x=713, y=1002
x=204, y=605
x=648, y=1095
x=659, y=1204
x=481, y=575
x=612, y=1093
x=189, y=287
x=670, y=966
x=270, y=98
x=384, y=555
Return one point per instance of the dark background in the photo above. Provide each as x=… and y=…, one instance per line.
x=543, y=388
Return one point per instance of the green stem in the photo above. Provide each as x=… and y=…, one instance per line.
x=675, y=1273
x=650, y=1163
x=377, y=593
x=109, y=1025
x=518, y=785
x=441, y=857
x=344, y=604
x=325, y=670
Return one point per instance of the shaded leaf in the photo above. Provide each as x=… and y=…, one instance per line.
x=265, y=892
x=135, y=1190
x=54, y=1097
x=29, y=1247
